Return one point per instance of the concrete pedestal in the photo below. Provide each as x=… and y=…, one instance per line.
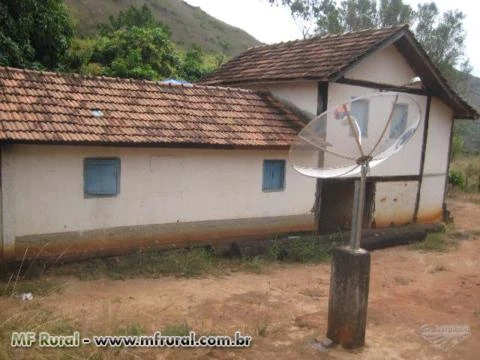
x=347, y=307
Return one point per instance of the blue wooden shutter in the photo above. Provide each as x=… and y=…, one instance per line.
x=273, y=174
x=101, y=176
x=267, y=175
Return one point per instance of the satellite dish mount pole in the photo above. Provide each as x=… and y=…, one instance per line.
x=358, y=206
x=350, y=276
x=397, y=117
x=350, y=279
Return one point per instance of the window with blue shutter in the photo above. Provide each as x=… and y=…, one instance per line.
x=273, y=175
x=360, y=112
x=399, y=120
x=101, y=177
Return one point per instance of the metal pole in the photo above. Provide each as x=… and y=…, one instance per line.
x=358, y=205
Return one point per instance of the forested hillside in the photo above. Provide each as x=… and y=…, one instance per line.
x=189, y=25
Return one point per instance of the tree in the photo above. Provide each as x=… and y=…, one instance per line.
x=133, y=16
x=135, y=45
x=441, y=35
x=193, y=67
x=394, y=12
x=142, y=53
x=34, y=33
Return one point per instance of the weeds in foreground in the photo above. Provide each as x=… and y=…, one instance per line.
x=39, y=287
x=435, y=242
x=33, y=317
x=178, y=329
x=402, y=280
x=130, y=330
x=438, y=268
x=196, y=261
x=151, y=264
x=256, y=265
x=261, y=329
x=308, y=249
x=154, y=263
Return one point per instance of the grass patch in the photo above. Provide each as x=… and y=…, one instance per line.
x=402, y=280
x=261, y=330
x=33, y=318
x=154, y=263
x=434, y=242
x=256, y=265
x=438, y=268
x=39, y=287
x=307, y=249
x=180, y=329
x=150, y=264
x=130, y=330
x=468, y=165
x=194, y=262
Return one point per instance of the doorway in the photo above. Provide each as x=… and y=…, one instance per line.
x=336, y=205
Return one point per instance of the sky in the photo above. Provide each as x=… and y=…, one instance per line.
x=274, y=24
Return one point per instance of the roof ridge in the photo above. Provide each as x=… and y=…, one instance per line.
x=122, y=80
x=326, y=36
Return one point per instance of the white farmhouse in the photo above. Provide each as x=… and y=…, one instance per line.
x=317, y=73
x=98, y=166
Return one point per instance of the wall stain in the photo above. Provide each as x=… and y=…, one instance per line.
x=78, y=245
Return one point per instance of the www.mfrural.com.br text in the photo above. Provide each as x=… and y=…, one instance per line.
x=25, y=339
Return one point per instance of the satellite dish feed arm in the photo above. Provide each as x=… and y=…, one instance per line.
x=354, y=130
x=390, y=117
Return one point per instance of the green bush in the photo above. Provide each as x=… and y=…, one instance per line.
x=457, y=179
x=457, y=146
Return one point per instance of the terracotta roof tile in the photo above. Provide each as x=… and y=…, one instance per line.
x=326, y=58
x=316, y=58
x=49, y=107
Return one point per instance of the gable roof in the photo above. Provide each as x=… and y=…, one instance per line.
x=327, y=58
x=58, y=108
x=317, y=58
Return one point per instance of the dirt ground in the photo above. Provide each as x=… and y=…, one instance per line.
x=285, y=308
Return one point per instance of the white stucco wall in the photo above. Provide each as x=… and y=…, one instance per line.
x=387, y=66
x=406, y=161
x=394, y=202
x=436, y=156
x=43, y=188
x=436, y=161
x=302, y=94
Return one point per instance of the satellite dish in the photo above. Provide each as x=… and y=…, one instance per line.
x=365, y=129
x=348, y=139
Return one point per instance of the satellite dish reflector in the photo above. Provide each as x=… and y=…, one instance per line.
x=362, y=131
